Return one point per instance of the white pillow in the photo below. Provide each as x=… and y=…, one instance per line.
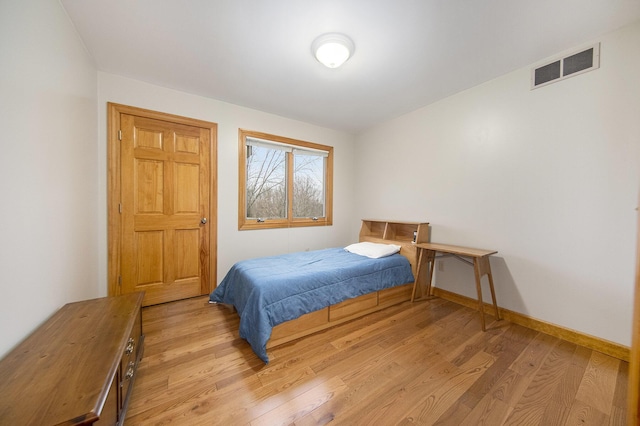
x=373, y=250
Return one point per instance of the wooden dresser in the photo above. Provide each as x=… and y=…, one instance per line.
x=77, y=368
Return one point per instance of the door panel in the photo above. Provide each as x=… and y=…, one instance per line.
x=165, y=187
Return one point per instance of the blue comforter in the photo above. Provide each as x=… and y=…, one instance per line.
x=270, y=290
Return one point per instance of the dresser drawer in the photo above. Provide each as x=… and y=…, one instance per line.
x=129, y=363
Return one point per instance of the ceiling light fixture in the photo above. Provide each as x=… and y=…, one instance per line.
x=332, y=49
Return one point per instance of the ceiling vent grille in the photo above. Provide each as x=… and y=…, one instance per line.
x=565, y=67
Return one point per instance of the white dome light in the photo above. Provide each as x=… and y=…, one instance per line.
x=332, y=49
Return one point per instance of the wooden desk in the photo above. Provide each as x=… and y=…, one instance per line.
x=481, y=267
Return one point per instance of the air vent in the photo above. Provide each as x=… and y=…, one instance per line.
x=568, y=66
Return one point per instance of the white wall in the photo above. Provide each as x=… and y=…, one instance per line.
x=549, y=178
x=234, y=245
x=48, y=213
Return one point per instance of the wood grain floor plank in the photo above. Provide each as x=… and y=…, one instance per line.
x=599, y=382
x=557, y=410
x=489, y=411
x=544, y=384
x=618, y=417
x=238, y=403
x=432, y=405
x=584, y=414
x=294, y=409
x=401, y=395
x=622, y=386
x=506, y=348
x=360, y=392
x=532, y=357
x=455, y=415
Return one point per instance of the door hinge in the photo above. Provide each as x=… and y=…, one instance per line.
x=120, y=208
x=120, y=280
x=119, y=135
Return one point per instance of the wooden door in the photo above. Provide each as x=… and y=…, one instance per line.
x=165, y=198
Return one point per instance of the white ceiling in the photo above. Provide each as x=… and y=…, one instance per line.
x=409, y=53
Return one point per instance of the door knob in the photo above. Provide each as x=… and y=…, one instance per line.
x=203, y=220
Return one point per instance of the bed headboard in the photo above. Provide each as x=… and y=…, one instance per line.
x=404, y=234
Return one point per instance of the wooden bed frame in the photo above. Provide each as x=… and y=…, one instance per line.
x=404, y=234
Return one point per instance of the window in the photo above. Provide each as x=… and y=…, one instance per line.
x=283, y=182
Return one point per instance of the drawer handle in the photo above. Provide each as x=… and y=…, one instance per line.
x=130, y=371
x=130, y=346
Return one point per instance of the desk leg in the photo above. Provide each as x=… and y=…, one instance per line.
x=417, y=277
x=428, y=259
x=485, y=267
x=481, y=266
x=476, y=270
x=431, y=262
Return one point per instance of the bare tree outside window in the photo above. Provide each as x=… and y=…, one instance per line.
x=308, y=186
x=285, y=183
x=266, y=183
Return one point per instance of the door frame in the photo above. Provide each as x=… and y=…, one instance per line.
x=633, y=389
x=114, y=222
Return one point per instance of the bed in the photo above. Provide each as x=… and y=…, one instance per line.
x=282, y=298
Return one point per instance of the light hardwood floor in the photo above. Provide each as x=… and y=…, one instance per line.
x=423, y=363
